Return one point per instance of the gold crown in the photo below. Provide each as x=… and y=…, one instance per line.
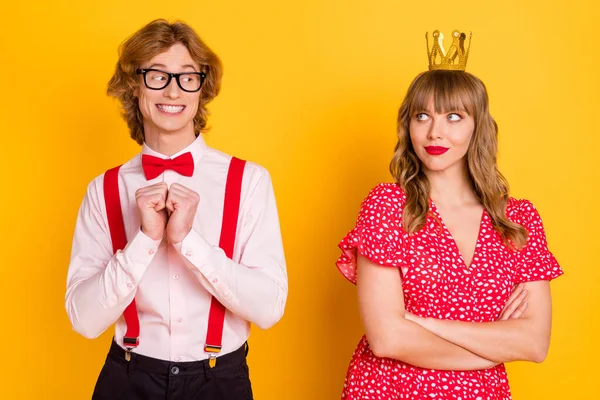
x=455, y=59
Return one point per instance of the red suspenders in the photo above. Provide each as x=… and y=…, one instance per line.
x=119, y=241
x=231, y=207
x=216, y=316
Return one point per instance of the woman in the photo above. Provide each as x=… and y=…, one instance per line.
x=180, y=247
x=436, y=256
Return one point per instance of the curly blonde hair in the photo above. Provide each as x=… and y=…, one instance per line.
x=453, y=91
x=155, y=38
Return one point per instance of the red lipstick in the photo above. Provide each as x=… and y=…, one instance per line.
x=436, y=150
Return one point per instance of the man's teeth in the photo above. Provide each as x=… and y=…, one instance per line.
x=170, y=109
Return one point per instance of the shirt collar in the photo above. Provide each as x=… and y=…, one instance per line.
x=198, y=147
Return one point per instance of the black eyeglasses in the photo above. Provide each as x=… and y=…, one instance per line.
x=156, y=79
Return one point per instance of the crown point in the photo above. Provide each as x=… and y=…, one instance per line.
x=456, y=33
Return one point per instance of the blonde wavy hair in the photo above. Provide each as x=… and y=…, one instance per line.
x=453, y=91
x=155, y=38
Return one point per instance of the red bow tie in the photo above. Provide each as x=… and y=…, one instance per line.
x=154, y=166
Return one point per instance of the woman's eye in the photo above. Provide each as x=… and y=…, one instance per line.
x=421, y=116
x=454, y=117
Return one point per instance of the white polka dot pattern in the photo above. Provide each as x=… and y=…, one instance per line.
x=438, y=284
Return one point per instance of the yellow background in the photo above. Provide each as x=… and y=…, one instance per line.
x=310, y=91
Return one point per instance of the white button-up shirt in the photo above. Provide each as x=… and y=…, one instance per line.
x=173, y=284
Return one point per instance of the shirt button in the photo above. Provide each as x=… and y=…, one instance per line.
x=176, y=276
x=150, y=252
x=188, y=253
x=177, y=359
x=180, y=320
x=215, y=280
x=175, y=370
x=129, y=285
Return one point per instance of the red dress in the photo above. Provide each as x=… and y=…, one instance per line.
x=437, y=284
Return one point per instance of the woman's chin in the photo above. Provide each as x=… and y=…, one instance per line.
x=435, y=166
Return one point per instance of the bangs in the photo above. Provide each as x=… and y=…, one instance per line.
x=449, y=91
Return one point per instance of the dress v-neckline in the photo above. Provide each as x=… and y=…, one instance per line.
x=466, y=267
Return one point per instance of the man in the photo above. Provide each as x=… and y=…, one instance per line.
x=181, y=245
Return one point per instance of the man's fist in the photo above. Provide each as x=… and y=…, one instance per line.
x=151, y=202
x=181, y=204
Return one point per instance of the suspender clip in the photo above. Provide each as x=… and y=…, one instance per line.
x=212, y=361
x=212, y=352
x=132, y=342
x=128, y=354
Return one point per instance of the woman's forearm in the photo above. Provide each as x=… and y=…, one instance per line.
x=500, y=341
x=409, y=342
x=526, y=338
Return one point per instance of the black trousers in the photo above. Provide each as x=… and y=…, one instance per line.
x=146, y=378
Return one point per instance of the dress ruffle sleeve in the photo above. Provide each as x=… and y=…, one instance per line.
x=378, y=234
x=536, y=262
